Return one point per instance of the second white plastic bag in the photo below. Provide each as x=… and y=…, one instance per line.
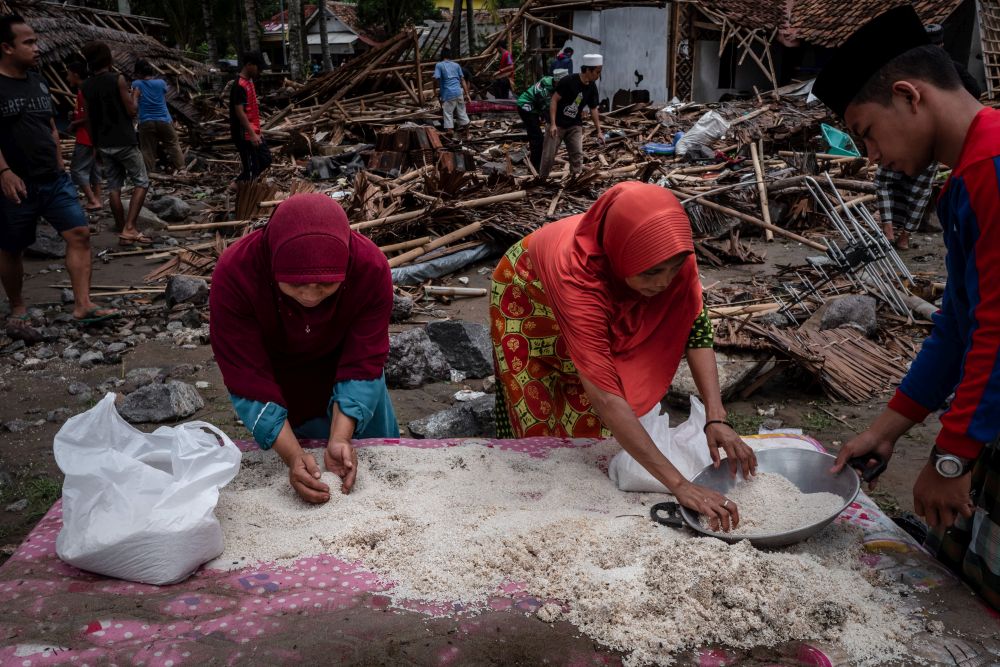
x=685, y=446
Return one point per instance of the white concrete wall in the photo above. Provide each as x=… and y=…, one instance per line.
x=632, y=39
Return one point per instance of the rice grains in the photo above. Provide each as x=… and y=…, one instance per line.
x=454, y=524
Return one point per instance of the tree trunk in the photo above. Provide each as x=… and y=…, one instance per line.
x=295, y=59
x=456, y=29
x=210, y=39
x=470, y=24
x=253, y=28
x=324, y=37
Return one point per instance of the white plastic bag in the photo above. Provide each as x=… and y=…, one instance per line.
x=685, y=446
x=709, y=128
x=140, y=506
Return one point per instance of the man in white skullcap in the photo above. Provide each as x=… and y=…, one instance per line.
x=573, y=93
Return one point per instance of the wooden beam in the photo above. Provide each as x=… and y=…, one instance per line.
x=562, y=29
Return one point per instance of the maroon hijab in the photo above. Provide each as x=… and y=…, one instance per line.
x=272, y=349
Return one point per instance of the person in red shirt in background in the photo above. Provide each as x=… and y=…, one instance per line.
x=244, y=120
x=84, y=168
x=504, y=83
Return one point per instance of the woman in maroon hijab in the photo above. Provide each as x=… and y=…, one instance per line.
x=300, y=330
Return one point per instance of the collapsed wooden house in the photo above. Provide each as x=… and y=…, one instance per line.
x=702, y=50
x=63, y=30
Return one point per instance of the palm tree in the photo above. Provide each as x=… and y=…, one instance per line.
x=210, y=38
x=253, y=27
x=456, y=29
x=324, y=38
x=470, y=25
x=296, y=61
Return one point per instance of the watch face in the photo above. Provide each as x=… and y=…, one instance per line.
x=949, y=466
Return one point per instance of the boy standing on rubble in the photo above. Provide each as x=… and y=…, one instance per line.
x=111, y=106
x=156, y=127
x=453, y=91
x=85, y=170
x=244, y=120
x=903, y=97
x=573, y=93
x=34, y=181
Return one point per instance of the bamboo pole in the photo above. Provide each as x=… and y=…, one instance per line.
x=442, y=241
x=560, y=28
x=752, y=220
x=765, y=210
x=434, y=290
x=406, y=245
x=207, y=225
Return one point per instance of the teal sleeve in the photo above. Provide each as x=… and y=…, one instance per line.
x=263, y=420
x=368, y=403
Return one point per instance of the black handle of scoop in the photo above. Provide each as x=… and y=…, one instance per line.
x=860, y=463
x=673, y=518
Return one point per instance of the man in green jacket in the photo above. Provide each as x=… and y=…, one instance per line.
x=532, y=105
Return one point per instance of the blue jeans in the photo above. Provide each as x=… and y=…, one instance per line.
x=56, y=201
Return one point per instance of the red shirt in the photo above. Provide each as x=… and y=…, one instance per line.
x=251, y=107
x=82, y=136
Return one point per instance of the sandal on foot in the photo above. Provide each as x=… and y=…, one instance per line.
x=92, y=316
x=141, y=239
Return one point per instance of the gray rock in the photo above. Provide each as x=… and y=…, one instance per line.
x=14, y=347
x=47, y=243
x=148, y=221
x=77, y=388
x=116, y=348
x=44, y=352
x=414, y=360
x=58, y=415
x=17, y=425
x=186, y=289
x=175, y=326
x=67, y=296
x=856, y=311
x=402, y=307
x=91, y=358
x=735, y=371
x=473, y=419
x=466, y=346
x=6, y=481
x=161, y=402
x=192, y=318
x=170, y=208
x=490, y=384
x=71, y=353
x=18, y=506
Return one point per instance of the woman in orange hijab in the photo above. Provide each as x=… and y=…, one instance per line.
x=590, y=317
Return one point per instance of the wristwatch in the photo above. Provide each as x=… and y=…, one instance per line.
x=950, y=466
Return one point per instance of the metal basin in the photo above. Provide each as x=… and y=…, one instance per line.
x=809, y=470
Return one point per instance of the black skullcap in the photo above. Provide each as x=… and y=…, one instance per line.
x=865, y=52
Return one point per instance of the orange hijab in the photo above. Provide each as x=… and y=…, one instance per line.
x=625, y=343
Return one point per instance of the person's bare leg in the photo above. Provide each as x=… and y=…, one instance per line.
x=78, y=264
x=903, y=240
x=134, y=206
x=92, y=199
x=12, y=277
x=117, y=210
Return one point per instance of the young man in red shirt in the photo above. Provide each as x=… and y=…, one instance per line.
x=903, y=97
x=244, y=120
x=84, y=169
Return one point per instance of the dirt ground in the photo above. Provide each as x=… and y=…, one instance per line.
x=26, y=457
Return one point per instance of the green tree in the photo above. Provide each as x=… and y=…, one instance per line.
x=393, y=15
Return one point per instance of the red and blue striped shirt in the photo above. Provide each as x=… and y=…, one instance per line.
x=962, y=354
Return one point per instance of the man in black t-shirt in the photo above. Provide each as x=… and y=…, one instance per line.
x=34, y=181
x=111, y=107
x=573, y=93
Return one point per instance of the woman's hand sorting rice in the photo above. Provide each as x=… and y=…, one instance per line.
x=722, y=436
x=721, y=512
